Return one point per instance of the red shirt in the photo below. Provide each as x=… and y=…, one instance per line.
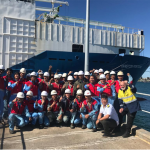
x=57, y=88
x=93, y=89
x=107, y=90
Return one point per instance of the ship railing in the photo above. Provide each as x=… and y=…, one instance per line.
x=93, y=24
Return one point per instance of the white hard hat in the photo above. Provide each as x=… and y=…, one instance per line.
x=20, y=95
x=44, y=93
x=120, y=73
x=106, y=72
x=29, y=93
x=70, y=78
x=28, y=75
x=46, y=74
x=60, y=75
x=87, y=73
x=53, y=92
x=75, y=74
x=79, y=92
x=1, y=67
x=112, y=72
x=41, y=72
x=33, y=74
x=96, y=71
x=64, y=75
x=102, y=76
x=23, y=70
x=67, y=91
x=87, y=93
x=80, y=73
x=101, y=70
x=56, y=76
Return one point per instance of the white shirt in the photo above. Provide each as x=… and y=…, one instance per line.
x=109, y=110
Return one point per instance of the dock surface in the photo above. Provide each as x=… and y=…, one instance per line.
x=66, y=138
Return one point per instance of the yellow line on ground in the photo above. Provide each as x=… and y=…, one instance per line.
x=142, y=139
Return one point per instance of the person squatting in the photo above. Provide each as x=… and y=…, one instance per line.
x=94, y=99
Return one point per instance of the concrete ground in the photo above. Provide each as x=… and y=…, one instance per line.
x=66, y=138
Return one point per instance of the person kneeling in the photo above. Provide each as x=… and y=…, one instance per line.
x=107, y=117
x=41, y=107
x=18, y=108
x=89, y=112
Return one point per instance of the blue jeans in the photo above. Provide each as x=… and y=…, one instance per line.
x=111, y=100
x=15, y=118
x=89, y=122
x=34, y=117
x=75, y=118
x=1, y=103
x=43, y=119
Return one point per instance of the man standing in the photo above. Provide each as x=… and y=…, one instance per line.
x=107, y=117
x=128, y=105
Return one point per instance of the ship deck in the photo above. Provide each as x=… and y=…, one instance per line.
x=66, y=138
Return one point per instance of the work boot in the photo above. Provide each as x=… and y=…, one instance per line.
x=83, y=127
x=94, y=130
x=11, y=131
x=72, y=126
x=126, y=134
x=105, y=135
x=41, y=126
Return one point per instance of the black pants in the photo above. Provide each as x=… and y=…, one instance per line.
x=107, y=124
x=130, y=118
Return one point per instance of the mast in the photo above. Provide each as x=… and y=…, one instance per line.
x=86, y=64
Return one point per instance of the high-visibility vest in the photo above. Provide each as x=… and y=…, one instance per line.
x=127, y=96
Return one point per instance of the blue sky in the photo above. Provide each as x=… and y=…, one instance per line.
x=129, y=13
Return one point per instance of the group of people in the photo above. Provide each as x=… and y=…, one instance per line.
x=94, y=99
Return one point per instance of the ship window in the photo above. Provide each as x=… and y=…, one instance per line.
x=77, y=57
x=122, y=52
x=62, y=59
x=77, y=48
x=69, y=59
x=52, y=58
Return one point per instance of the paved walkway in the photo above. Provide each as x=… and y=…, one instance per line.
x=66, y=138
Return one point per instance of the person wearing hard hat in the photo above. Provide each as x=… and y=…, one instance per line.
x=92, y=86
x=54, y=108
x=112, y=80
x=41, y=108
x=2, y=90
x=30, y=103
x=22, y=75
x=68, y=85
x=106, y=88
x=89, y=112
x=107, y=74
x=15, y=86
x=28, y=76
x=75, y=76
x=79, y=84
x=65, y=104
x=101, y=71
x=107, y=118
x=40, y=75
x=57, y=85
x=75, y=108
x=128, y=105
x=96, y=73
x=32, y=85
x=86, y=76
x=18, y=109
x=64, y=77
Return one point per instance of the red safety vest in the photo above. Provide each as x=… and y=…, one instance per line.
x=107, y=90
x=93, y=89
x=16, y=110
x=24, y=80
x=79, y=104
x=57, y=88
x=30, y=105
x=17, y=88
x=55, y=108
x=117, y=86
x=92, y=105
x=45, y=87
x=34, y=87
x=45, y=105
x=2, y=85
x=71, y=89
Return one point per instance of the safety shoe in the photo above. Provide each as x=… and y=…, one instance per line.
x=126, y=134
x=83, y=127
x=11, y=131
x=41, y=126
x=72, y=126
x=94, y=130
x=105, y=135
x=17, y=127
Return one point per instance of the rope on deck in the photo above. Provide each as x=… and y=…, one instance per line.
x=146, y=111
x=142, y=94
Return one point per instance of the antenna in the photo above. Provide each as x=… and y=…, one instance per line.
x=53, y=12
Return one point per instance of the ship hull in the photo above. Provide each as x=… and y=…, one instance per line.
x=74, y=61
